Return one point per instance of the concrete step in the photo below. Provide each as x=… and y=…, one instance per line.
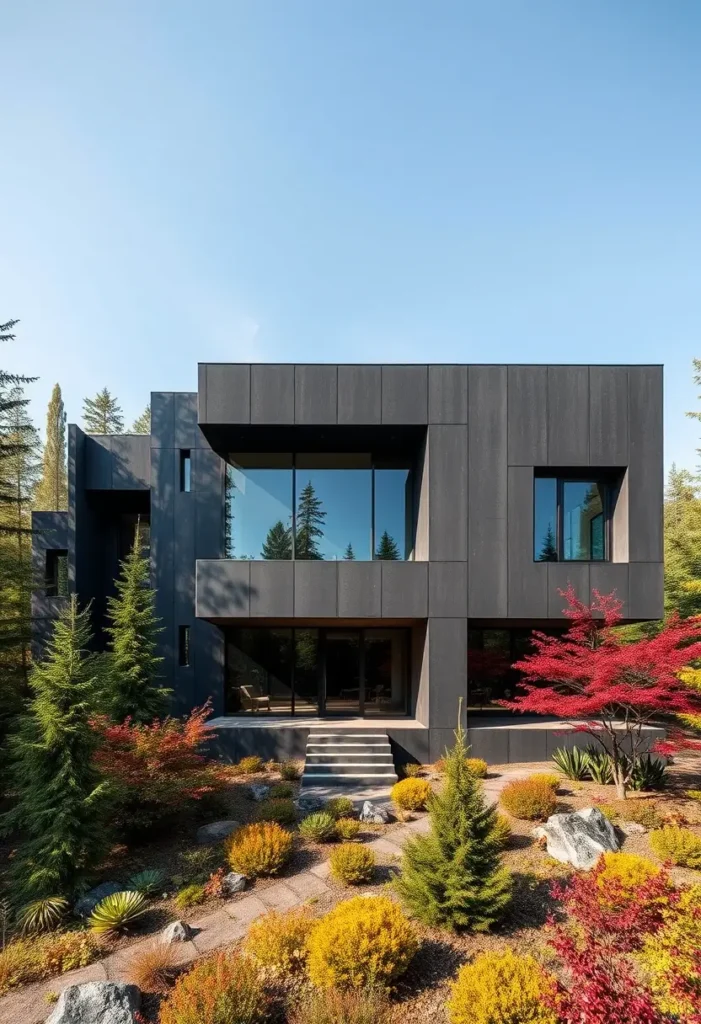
x=330, y=758
x=367, y=778
x=343, y=768
x=354, y=758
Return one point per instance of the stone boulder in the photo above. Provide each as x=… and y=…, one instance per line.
x=87, y=903
x=216, y=831
x=233, y=883
x=97, y=1002
x=374, y=814
x=579, y=838
x=308, y=804
x=259, y=791
x=176, y=931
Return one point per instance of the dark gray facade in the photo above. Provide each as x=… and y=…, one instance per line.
x=479, y=435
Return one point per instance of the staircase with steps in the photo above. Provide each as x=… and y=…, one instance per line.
x=348, y=758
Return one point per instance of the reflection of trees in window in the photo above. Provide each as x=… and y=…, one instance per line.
x=349, y=555
x=278, y=543
x=548, y=552
x=387, y=548
x=310, y=521
x=228, y=514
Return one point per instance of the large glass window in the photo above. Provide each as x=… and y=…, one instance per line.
x=490, y=656
x=570, y=520
x=317, y=506
x=259, y=671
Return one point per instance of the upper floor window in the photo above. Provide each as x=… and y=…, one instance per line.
x=56, y=573
x=333, y=507
x=185, y=469
x=571, y=519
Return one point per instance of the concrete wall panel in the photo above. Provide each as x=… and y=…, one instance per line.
x=404, y=394
x=528, y=415
x=316, y=394
x=272, y=589
x=186, y=429
x=448, y=490
x=131, y=462
x=228, y=393
x=223, y=588
x=404, y=590
x=448, y=671
x=447, y=394
x=645, y=475
x=359, y=395
x=97, y=461
x=528, y=580
x=447, y=589
x=359, y=590
x=316, y=589
x=272, y=393
x=560, y=576
x=568, y=416
x=646, y=590
x=609, y=576
x=608, y=416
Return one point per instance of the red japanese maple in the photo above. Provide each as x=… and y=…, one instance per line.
x=608, y=688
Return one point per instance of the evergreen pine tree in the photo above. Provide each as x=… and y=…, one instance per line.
x=132, y=689
x=52, y=490
x=387, y=548
x=682, y=544
x=278, y=543
x=548, y=552
x=102, y=414
x=349, y=555
x=60, y=800
x=142, y=423
x=453, y=876
x=310, y=523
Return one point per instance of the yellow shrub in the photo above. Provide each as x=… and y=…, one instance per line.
x=363, y=941
x=43, y=956
x=501, y=988
x=250, y=765
x=340, y=807
x=628, y=869
x=672, y=953
x=548, y=778
x=279, y=941
x=342, y=1006
x=282, y=810
x=477, y=766
x=347, y=828
x=352, y=864
x=534, y=801
x=259, y=849
x=221, y=990
x=411, y=794
x=679, y=845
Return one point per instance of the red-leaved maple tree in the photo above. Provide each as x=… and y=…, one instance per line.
x=608, y=688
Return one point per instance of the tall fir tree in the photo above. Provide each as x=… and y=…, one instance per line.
x=61, y=802
x=132, y=689
x=19, y=452
x=453, y=876
x=548, y=552
x=349, y=554
x=52, y=489
x=682, y=544
x=278, y=543
x=102, y=414
x=387, y=548
x=310, y=523
x=142, y=423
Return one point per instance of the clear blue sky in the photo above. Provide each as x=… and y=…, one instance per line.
x=397, y=180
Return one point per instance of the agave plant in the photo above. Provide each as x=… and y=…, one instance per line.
x=115, y=913
x=599, y=766
x=319, y=827
x=574, y=763
x=648, y=773
x=42, y=915
x=147, y=882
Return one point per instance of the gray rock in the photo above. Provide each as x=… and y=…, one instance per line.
x=579, y=838
x=176, y=931
x=258, y=791
x=632, y=828
x=87, y=903
x=216, y=831
x=308, y=804
x=97, y=1002
x=374, y=814
x=233, y=883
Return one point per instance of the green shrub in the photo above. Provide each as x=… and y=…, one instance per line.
x=532, y=800
x=225, y=989
x=290, y=770
x=342, y=1006
x=283, y=811
x=250, y=765
x=478, y=766
x=649, y=773
x=282, y=791
x=340, y=807
x=347, y=828
x=671, y=958
x=42, y=956
x=352, y=864
x=260, y=849
x=681, y=846
x=318, y=827
x=190, y=896
x=117, y=912
x=197, y=864
x=42, y=915
x=502, y=988
x=147, y=882
x=600, y=766
x=279, y=941
x=502, y=830
x=453, y=876
x=411, y=769
x=362, y=941
x=573, y=763
x=642, y=812
x=411, y=794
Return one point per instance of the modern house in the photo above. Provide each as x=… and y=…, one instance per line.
x=368, y=544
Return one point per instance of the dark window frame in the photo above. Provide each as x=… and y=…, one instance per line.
x=183, y=647
x=185, y=470
x=56, y=581
x=606, y=486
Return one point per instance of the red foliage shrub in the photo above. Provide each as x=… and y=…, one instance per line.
x=156, y=768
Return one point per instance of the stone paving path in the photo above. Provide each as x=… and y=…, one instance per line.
x=222, y=927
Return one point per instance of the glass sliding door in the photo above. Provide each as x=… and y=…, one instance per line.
x=342, y=675
x=259, y=671
x=307, y=672
x=385, y=676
